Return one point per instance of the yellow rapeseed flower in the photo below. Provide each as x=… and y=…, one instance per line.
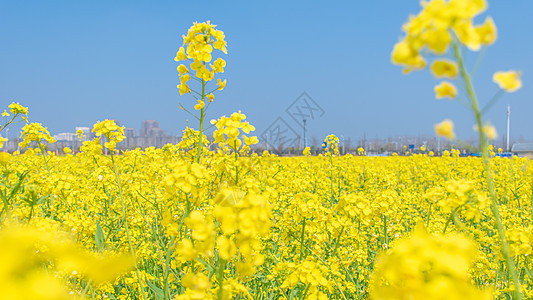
x=487, y=32
x=2, y=140
x=445, y=128
x=426, y=267
x=200, y=105
x=489, y=131
x=508, y=81
x=445, y=90
x=444, y=68
x=221, y=84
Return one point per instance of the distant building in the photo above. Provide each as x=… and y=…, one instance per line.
x=131, y=136
x=86, y=132
x=149, y=136
x=523, y=149
x=65, y=136
x=149, y=127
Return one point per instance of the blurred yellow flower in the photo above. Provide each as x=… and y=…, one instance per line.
x=508, y=81
x=445, y=90
x=444, y=68
x=2, y=140
x=307, y=151
x=404, y=54
x=425, y=266
x=487, y=32
x=4, y=157
x=489, y=131
x=445, y=128
x=466, y=33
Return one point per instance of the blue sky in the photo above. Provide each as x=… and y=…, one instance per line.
x=76, y=62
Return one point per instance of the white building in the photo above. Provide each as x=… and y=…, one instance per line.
x=65, y=136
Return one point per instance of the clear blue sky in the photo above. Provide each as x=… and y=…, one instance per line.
x=76, y=62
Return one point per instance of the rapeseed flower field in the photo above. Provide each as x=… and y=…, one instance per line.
x=208, y=218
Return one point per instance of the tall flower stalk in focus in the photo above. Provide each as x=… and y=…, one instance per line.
x=331, y=147
x=35, y=132
x=115, y=134
x=15, y=110
x=445, y=28
x=198, y=46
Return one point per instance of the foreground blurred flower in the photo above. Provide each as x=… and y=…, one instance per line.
x=445, y=128
x=426, y=267
x=433, y=27
x=444, y=68
x=25, y=251
x=508, y=81
x=489, y=131
x=445, y=90
x=2, y=140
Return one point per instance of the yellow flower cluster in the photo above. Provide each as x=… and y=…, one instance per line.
x=286, y=226
x=111, y=131
x=426, y=267
x=35, y=132
x=16, y=109
x=229, y=130
x=2, y=140
x=508, y=81
x=198, y=45
x=224, y=223
x=436, y=25
x=32, y=257
x=331, y=144
x=243, y=219
x=185, y=178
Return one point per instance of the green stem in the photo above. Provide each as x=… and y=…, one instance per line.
x=331, y=175
x=201, y=132
x=220, y=277
x=500, y=227
x=167, y=267
x=41, y=146
x=338, y=240
x=236, y=165
x=9, y=122
x=492, y=101
x=302, y=240
x=385, y=230
x=126, y=226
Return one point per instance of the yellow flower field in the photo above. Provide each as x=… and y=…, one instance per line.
x=208, y=218
x=265, y=227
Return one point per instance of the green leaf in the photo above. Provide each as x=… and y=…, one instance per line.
x=206, y=265
x=17, y=186
x=41, y=199
x=99, y=237
x=159, y=293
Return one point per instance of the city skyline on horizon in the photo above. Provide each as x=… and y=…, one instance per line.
x=103, y=60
